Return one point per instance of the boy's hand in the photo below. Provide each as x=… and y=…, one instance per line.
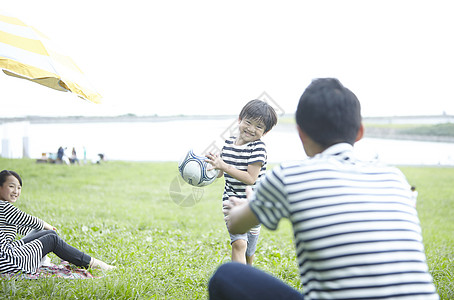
x=216, y=161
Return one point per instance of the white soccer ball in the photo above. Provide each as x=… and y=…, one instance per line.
x=194, y=170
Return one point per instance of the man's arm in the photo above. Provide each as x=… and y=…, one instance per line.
x=239, y=215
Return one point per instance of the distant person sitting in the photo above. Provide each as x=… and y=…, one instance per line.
x=60, y=154
x=73, y=159
x=100, y=158
x=43, y=159
x=356, y=230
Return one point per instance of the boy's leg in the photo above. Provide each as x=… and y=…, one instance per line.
x=250, y=259
x=237, y=281
x=239, y=246
x=239, y=251
x=252, y=239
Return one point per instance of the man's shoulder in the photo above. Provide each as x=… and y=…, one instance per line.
x=319, y=163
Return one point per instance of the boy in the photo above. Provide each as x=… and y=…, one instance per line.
x=243, y=162
x=356, y=230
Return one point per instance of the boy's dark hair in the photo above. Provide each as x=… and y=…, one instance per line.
x=5, y=174
x=329, y=113
x=260, y=110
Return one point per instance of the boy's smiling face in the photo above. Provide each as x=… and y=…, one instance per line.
x=250, y=130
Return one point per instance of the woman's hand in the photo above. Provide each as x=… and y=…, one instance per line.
x=49, y=227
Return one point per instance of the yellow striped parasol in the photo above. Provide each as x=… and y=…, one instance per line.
x=28, y=54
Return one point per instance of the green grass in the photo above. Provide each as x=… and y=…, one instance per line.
x=135, y=215
x=436, y=210
x=446, y=129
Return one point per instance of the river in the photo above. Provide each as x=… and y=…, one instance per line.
x=168, y=140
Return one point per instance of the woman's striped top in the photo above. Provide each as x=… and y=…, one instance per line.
x=15, y=256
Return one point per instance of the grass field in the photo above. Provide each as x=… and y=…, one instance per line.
x=166, y=245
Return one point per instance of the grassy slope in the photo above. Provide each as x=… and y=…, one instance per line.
x=123, y=212
x=444, y=129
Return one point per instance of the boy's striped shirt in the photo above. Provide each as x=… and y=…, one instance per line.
x=241, y=157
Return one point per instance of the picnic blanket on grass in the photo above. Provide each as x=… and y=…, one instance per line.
x=63, y=270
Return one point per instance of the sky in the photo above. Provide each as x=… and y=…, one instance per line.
x=210, y=57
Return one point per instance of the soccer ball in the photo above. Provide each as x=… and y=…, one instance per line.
x=194, y=170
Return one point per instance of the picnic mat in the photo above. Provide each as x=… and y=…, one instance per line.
x=63, y=270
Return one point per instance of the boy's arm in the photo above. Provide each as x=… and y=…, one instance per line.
x=248, y=177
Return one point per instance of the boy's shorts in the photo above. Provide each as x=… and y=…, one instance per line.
x=251, y=237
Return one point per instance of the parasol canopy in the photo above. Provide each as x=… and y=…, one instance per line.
x=28, y=54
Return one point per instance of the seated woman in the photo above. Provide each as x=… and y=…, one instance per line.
x=25, y=255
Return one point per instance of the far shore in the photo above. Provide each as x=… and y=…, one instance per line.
x=287, y=118
x=376, y=127
x=102, y=119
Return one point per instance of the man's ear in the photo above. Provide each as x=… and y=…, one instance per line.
x=305, y=140
x=310, y=146
x=301, y=133
x=360, y=133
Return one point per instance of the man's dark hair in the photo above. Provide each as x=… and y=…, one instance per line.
x=329, y=113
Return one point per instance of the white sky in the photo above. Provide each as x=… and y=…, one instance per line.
x=211, y=57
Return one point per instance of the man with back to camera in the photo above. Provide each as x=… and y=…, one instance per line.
x=356, y=231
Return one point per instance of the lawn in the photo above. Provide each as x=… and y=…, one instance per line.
x=167, y=238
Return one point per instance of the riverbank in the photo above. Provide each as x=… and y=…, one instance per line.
x=409, y=128
x=416, y=132
x=283, y=119
x=406, y=134
x=130, y=118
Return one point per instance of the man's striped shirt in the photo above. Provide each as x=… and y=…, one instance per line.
x=356, y=231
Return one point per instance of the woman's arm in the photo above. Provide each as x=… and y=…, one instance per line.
x=13, y=215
